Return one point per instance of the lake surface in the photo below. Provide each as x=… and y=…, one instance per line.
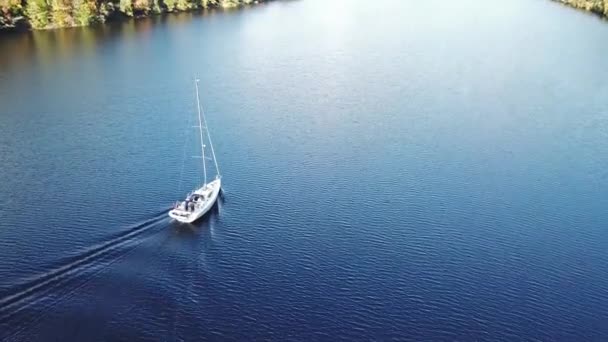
x=410, y=170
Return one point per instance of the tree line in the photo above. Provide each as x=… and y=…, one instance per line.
x=42, y=14
x=596, y=6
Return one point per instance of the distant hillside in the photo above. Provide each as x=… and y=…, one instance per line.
x=596, y=6
x=46, y=14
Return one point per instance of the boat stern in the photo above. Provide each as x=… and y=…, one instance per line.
x=180, y=215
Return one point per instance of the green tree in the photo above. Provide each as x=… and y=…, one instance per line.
x=61, y=13
x=170, y=5
x=209, y=3
x=141, y=6
x=182, y=5
x=83, y=11
x=11, y=7
x=37, y=12
x=596, y=6
x=126, y=7
x=9, y=11
x=155, y=7
x=229, y=3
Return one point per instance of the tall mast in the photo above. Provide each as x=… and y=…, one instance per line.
x=200, y=129
x=217, y=168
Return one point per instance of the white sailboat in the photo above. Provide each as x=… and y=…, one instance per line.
x=198, y=202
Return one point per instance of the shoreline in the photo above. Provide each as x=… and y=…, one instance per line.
x=39, y=15
x=599, y=8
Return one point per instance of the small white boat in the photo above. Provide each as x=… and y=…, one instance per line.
x=198, y=202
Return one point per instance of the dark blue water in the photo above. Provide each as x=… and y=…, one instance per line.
x=403, y=170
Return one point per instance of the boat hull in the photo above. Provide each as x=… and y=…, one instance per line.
x=214, y=188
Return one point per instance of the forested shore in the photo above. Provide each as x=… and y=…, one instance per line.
x=48, y=14
x=599, y=7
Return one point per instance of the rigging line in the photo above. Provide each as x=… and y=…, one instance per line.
x=200, y=129
x=217, y=169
